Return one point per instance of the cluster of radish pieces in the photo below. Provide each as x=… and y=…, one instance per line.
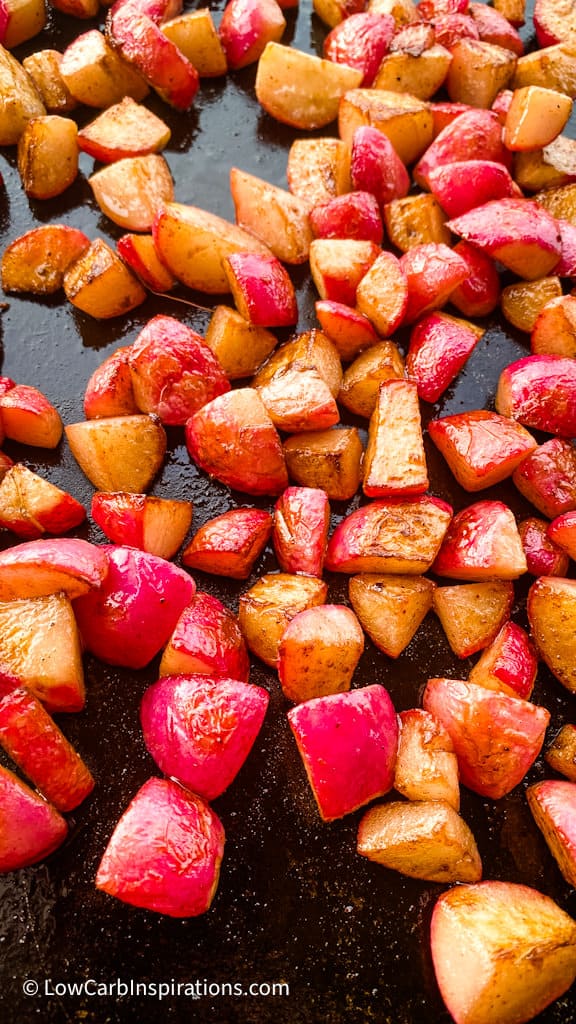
x=501, y=952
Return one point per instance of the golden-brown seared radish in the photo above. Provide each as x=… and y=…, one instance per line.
x=395, y=461
x=118, y=453
x=390, y=608
x=20, y=100
x=482, y=543
x=24, y=19
x=478, y=71
x=37, y=568
x=131, y=191
x=337, y=266
x=29, y=417
x=329, y=459
x=553, y=806
x=48, y=156
x=509, y=664
x=301, y=89
x=40, y=646
x=239, y=346
x=261, y=288
x=535, y=117
x=415, y=220
x=561, y=754
x=100, y=284
x=139, y=254
x=382, y=293
x=422, y=839
x=315, y=169
x=554, y=329
x=426, y=765
x=406, y=120
x=192, y=243
x=333, y=12
x=126, y=129
x=228, y=545
x=299, y=400
x=156, y=525
x=196, y=36
x=362, y=379
x=37, y=261
x=275, y=216
x=472, y=614
x=31, y=506
x=44, y=70
x=419, y=74
x=552, y=616
x=552, y=67
x=311, y=350
x=319, y=651
x=348, y=329
x=109, y=390
x=96, y=75
x=502, y=952
x=397, y=536
x=266, y=609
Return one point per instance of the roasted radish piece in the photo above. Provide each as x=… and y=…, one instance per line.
x=562, y=532
x=375, y=165
x=523, y=301
x=300, y=89
x=40, y=647
x=554, y=330
x=156, y=525
x=472, y=135
x=461, y=186
x=21, y=20
x=132, y=614
x=518, y=233
x=404, y=119
x=192, y=243
x=165, y=852
x=109, y=390
x=233, y=439
x=481, y=447
x=553, y=805
x=395, y=461
x=361, y=40
x=560, y=201
x=382, y=293
x=426, y=765
x=496, y=738
x=240, y=347
x=174, y=373
x=300, y=532
x=414, y=67
x=31, y=506
x=502, y=952
x=338, y=265
x=478, y=72
x=261, y=288
x=21, y=99
x=561, y=754
x=329, y=459
x=299, y=400
x=542, y=556
x=139, y=254
x=509, y=664
x=390, y=608
x=230, y=544
x=494, y=27
x=246, y=27
x=99, y=283
x=423, y=839
x=315, y=168
x=332, y=12
x=195, y=35
x=30, y=828
x=200, y=731
x=547, y=477
x=29, y=417
x=432, y=272
x=535, y=117
x=348, y=329
x=278, y=218
x=42, y=752
x=96, y=75
x=482, y=543
x=415, y=220
x=319, y=651
x=472, y=614
x=540, y=392
x=37, y=261
x=266, y=609
x=131, y=191
x=553, y=23
x=142, y=44
x=438, y=349
x=354, y=215
x=479, y=293
x=126, y=129
x=118, y=453
x=396, y=536
x=552, y=616
x=348, y=744
x=38, y=568
x=362, y=380
x=308, y=351
x=206, y=641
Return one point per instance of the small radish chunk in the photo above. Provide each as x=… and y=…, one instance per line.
x=30, y=828
x=319, y=651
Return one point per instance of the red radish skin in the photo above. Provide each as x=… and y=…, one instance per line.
x=438, y=349
x=376, y=167
x=109, y=390
x=40, y=567
x=472, y=135
x=361, y=41
x=540, y=392
x=354, y=215
x=519, y=233
x=30, y=828
x=479, y=293
x=200, y=730
x=206, y=640
x=229, y=545
x=131, y=616
x=543, y=558
x=300, y=533
x=482, y=542
x=245, y=28
x=462, y=185
x=348, y=743
x=165, y=852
